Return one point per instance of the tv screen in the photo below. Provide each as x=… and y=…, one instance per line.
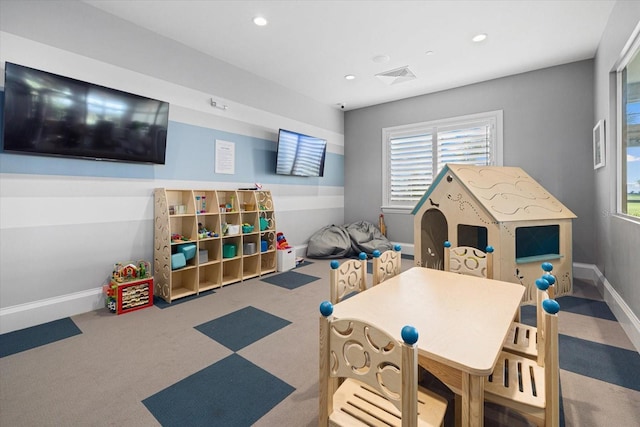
x=49, y=114
x=300, y=155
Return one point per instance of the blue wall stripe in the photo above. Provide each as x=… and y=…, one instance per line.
x=190, y=156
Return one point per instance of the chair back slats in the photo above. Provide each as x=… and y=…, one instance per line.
x=386, y=264
x=368, y=376
x=523, y=338
x=348, y=277
x=468, y=260
x=361, y=351
x=532, y=387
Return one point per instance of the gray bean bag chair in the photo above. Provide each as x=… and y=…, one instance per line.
x=366, y=237
x=346, y=241
x=331, y=241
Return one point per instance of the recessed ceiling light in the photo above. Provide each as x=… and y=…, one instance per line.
x=380, y=58
x=479, y=37
x=260, y=21
x=349, y=77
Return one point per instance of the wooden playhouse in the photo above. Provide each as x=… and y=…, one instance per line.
x=502, y=207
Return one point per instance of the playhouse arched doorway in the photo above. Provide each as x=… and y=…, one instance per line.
x=433, y=233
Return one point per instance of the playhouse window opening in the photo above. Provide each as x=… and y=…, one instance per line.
x=473, y=236
x=537, y=243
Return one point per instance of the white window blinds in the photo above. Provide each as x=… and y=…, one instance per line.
x=415, y=154
x=410, y=166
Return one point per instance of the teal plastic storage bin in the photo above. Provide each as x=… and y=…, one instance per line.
x=228, y=251
x=178, y=261
x=189, y=250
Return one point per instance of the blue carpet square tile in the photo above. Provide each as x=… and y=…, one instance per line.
x=35, y=336
x=528, y=315
x=607, y=363
x=290, y=279
x=241, y=328
x=231, y=392
x=570, y=304
x=304, y=263
x=586, y=307
x=160, y=303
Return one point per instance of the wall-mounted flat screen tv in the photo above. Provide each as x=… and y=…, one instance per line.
x=300, y=155
x=49, y=114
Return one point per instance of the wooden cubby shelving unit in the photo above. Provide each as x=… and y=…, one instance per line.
x=221, y=213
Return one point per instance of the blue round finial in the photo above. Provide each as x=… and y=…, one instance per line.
x=447, y=244
x=334, y=264
x=551, y=306
x=542, y=284
x=489, y=249
x=409, y=335
x=362, y=256
x=326, y=308
x=549, y=278
x=547, y=266
x=397, y=248
x=376, y=254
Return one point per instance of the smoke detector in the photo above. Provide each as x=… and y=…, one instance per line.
x=398, y=75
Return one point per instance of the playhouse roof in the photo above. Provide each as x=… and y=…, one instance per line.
x=507, y=193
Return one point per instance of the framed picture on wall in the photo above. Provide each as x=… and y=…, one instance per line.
x=598, y=145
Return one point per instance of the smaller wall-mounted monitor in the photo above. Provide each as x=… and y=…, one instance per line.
x=300, y=155
x=52, y=115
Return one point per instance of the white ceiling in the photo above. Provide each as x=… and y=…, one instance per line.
x=309, y=46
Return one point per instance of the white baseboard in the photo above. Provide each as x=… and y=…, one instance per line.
x=627, y=319
x=407, y=248
x=35, y=313
x=47, y=310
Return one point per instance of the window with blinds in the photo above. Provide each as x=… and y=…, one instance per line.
x=415, y=154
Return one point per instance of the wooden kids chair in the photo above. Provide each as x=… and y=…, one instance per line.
x=386, y=264
x=380, y=377
x=522, y=338
x=468, y=260
x=348, y=277
x=531, y=387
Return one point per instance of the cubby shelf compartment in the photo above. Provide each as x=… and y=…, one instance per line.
x=201, y=217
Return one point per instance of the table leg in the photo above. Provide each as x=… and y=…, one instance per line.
x=472, y=410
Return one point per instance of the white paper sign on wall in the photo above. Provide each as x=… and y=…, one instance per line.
x=225, y=157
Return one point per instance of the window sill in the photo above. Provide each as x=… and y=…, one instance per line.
x=628, y=218
x=537, y=258
x=406, y=210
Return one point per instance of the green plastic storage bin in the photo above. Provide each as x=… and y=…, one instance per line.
x=228, y=251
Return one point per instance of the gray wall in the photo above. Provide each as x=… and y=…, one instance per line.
x=618, y=248
x=548, y=118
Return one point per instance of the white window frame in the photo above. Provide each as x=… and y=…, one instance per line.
x=631, y=48
x=427, y=127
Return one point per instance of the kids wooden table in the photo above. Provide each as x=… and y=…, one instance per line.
x=461, y=320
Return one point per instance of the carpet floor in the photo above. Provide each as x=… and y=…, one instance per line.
x=246, y=355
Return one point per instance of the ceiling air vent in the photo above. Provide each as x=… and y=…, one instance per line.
x=398, y=75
